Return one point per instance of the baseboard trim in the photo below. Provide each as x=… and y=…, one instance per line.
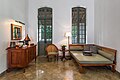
x=3, y=73
x=118, y=73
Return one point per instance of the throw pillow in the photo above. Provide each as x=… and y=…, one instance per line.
x=86, y=48
x=94, y=49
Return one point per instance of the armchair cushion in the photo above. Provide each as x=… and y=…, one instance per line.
x=52, y=53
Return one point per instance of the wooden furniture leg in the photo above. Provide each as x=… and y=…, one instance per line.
x=48, y=58
x=23, y=70
x=113, y=68
x=81, y=69
x=8, y=70
x=55, y=58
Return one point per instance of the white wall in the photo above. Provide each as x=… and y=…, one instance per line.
x=10, y=10
x=61, y=18
x=107, y=25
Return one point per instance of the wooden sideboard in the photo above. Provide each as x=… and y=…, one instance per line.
x=20, y=57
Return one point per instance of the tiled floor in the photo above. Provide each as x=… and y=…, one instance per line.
x=67, y=70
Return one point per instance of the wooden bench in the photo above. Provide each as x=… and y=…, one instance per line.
x=104, y=56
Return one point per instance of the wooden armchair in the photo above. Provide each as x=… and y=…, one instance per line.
x=52, y=50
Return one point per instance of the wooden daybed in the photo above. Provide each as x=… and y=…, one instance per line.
x=101, y=56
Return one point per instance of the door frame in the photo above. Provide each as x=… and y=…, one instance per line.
x=38, y=28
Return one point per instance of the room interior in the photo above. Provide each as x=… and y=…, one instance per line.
x=102, y=23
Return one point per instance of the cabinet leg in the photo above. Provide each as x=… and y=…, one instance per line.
x=23, y=70
x=8, y=70
x=35, y=59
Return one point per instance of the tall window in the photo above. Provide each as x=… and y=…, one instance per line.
x=44, y=29
x=78, y=25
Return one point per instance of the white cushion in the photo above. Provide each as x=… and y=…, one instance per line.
x=52, y=53
x=94, y=59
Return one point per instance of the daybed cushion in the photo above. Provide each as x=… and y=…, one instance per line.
x=94, y=49
x=90, y=48
x=76, y=48
x=106, y=54
x=79, y=52
x=86, y=47
x=95, y=59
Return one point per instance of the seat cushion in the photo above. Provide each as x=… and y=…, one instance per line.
x=52, y=53
x=76, y=52
x=95, y=59
x=76, y=48
x=106, y=54
x=94, y=49
x=86, y=48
